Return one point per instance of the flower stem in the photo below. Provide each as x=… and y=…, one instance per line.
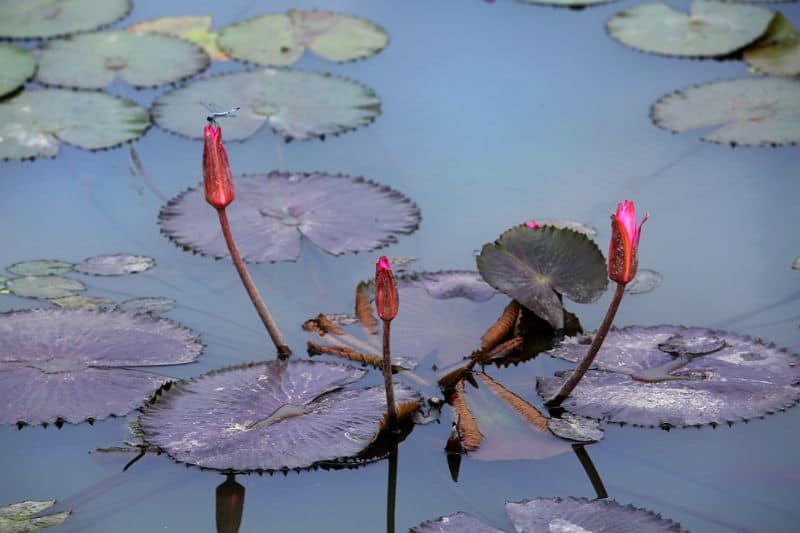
x=584, y=365
x=391, y=420
x=261, y=308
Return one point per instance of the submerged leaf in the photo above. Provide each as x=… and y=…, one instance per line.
x=94, y=60
x=34, y=122
x=92, y=303
x=40, y=267
x=455, y=523
x=748, y=111
x=296, y=104
x=270, y=416
x=36, y=19
x=337, y=213
x=44, y=287
x=153, y=305
x=73, y=365
x=777, y=52
x=115, y=265
x=22, y=517
x=195, y=29
x=18, y=67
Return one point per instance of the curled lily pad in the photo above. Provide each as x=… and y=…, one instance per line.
x=153, y=305
x=75, y=301
x=94, y=60
x=711, y=29
x=748, y=111
x=455, y=523
x=26, y=516
x=115, y=265
x=567, y=515
x=673, y=376
x=275, y=211
x=33, y=122
x=59, y=365
x=37, y=19
x=296, y=104
x=276, y=39
x=44, y=286
x=270, y=416
x=18, y=67
x=777, y=52
x=535, y=266
x=195, y=29
x=644, y=281
x=40, y=267
x=457, y=284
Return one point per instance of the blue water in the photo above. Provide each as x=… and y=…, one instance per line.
x=492, y=114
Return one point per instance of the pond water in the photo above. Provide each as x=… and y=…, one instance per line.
x=491, y=114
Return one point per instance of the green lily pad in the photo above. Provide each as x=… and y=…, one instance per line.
x=747, y=111
x=777, y=52
x=76, y=301
x=150, y=305
x=278, y=39
x=19, y=517
x=195, y=29
x=40, y=267
x=296, y=104
x=33, y=122
x=572, y=4
x=712, y=29
x=44, y=287
x=18, y=67
x=93, y=60
x=535, y=266
x=115, y=265
x=43, y=19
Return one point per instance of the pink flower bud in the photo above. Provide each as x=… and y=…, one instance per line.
x=216, y=169
x=623, y=253
x=387, y=300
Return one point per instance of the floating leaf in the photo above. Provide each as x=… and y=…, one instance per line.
x=455, y=523
x=92, y=303
x=33, y=122
x=777, y=52
x=572, y=4
x=577, y=515
x=580, y=227
x=270, y=416
x=40, y=267
x=276, y=210
x=712, y=29
x=19, y=517
x=276, y=39
x=535, y=266
x=576, y=428
x=153, y=305
x=195, y=29
x=748, y=111
x=44, y=286
x=72, y=365
x=18, y=67
x=457, y=284
x=115, y=265
x=36, y=19
x=645, y=280
x=674, y=376
x=296, y=104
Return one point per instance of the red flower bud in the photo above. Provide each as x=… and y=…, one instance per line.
x=386, y=298
x=623, y=253
x=216, y=169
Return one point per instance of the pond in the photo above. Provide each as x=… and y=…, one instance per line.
x=491, y=114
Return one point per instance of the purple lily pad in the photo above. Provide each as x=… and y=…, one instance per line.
x=455, y=523
x=579, y=515
x=71, y=365
x=269, y=416
x=115, y=265
x=273, y=212
x=674, y=376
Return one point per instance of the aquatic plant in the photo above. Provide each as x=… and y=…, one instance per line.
x=387, y=302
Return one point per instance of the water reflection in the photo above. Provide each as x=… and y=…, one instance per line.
x=230, y=505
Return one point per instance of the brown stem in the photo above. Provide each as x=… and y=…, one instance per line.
x=391, y=490
x=391, y=421
x=584, y=365
x=252, y=291
x=591, y=471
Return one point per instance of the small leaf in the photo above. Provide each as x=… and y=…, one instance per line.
x=455, y=523
x=115, y=265
x=195, y=29
x=153, y=305
x=91, y=303
x=19, y=517
x=645, y=280
x=40, y=267
x=44, y=287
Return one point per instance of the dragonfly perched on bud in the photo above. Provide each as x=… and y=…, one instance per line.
x=214, y=112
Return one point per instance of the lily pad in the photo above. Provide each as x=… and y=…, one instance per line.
x=19, y=517
x=40, y=267
x=18, y=67
x=535, y=266
x=278, y=39
x=576, y=428
x=72, y=366
x=94, y=60
x=455, y=523
x=580, y=227
x=33, y=122
x=153, y=305
x=115, y=265
x=270, y=416
x=42, y=19
x=296, y=104
x=777, y=52
x=274, y=211
x=747, y=111
x=44, y=287
x=578, y=515
x=674, y=376
x=644, y=281
x=712, y=29
x=195, y=29
x=91, y=303
x=466, y=284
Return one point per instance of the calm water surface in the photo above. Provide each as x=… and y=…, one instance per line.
x=492, y=114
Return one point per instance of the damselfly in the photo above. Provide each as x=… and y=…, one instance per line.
x=214, y=113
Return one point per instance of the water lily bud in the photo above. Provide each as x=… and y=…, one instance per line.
x=386, y=298
x=623, y=253
x=533, y=224
x=216, y=169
